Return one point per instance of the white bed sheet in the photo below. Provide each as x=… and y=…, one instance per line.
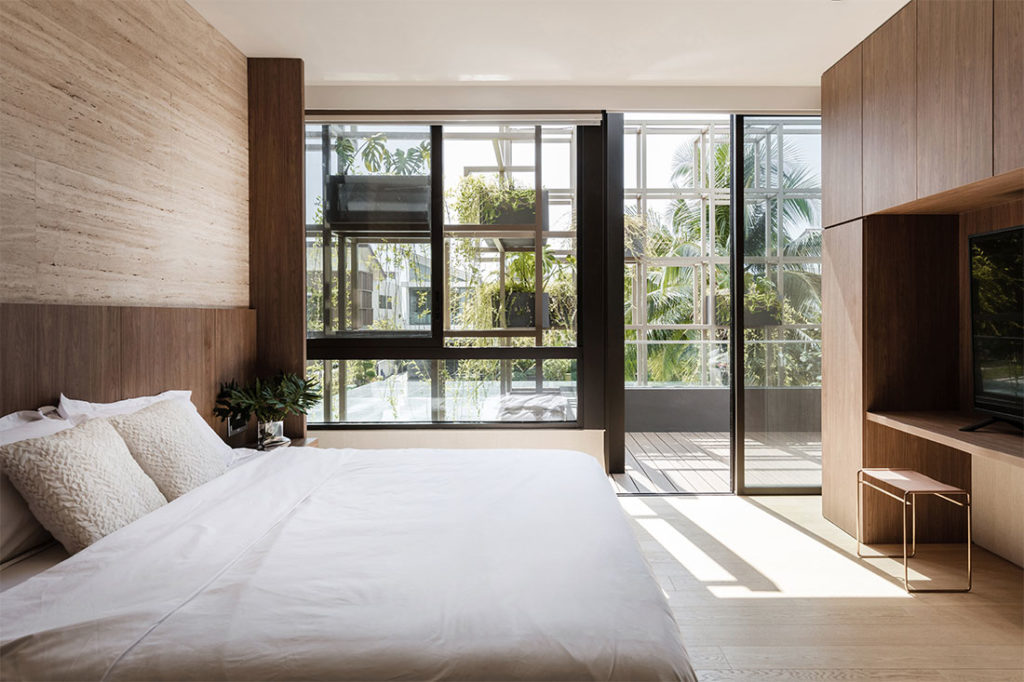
x=309, y=563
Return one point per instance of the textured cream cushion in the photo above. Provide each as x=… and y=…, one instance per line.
x=19, y=530
x=79, y=409
x=81, y=483
x=168, y=447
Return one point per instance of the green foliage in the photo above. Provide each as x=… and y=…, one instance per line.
x=671, y=294
x=266, y=399
x=482, y=201
x=378, y=159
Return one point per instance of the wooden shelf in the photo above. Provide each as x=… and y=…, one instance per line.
x=998, y=189
x=998, y=441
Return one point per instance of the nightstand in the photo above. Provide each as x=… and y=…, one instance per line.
x=295, y=443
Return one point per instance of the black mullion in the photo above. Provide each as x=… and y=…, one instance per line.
x=399, y=426
x=325, y=234
x=737, y=220
x=591, y=274
x=330, y=351
x=615, y=340
x=436, y=237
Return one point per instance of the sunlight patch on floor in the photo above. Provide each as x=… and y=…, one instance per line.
x=743, y=539
x=698, y=563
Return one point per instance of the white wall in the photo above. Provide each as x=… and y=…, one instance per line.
x=593, y=98
x=588, y=441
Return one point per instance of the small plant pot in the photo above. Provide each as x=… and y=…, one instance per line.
x=519, y=309
x=270, y=434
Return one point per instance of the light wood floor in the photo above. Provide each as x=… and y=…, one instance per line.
x=764, y=588
x=698, y=462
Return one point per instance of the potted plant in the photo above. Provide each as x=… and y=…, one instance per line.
x=396, y=188
x=270, y=401
x=479, y=201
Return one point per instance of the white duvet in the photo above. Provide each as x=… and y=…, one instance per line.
x=361, y=565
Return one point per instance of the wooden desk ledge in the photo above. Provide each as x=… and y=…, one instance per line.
x=999, y=442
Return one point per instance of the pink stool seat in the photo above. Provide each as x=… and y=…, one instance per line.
x=910, y=481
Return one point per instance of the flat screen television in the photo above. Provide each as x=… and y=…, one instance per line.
x=997, y=323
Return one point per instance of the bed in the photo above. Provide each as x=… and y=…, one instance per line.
x=307, y=563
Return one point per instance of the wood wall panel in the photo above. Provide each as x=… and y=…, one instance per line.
x=80, y=350
x=1007, y=86
x=106, y=353
x=277, y=239
x=976, y=222
x=890, y=112
x=954, y=93
x=842, y=395
x=841, y=114
x=910, y=304
x=165, y=349
x=123, y=156
x=998, y=508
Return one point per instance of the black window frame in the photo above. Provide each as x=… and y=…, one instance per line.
x=594, y=206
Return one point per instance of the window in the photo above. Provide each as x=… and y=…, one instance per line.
x=442, y=272
x=676, y=233
x=782, y=252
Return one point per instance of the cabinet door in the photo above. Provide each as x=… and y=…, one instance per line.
x=890, y=112
x=842, y=395
x=1008, y=86
x=954, y=93
x=841, y=168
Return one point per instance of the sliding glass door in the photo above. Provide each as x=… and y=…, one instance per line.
x=778, y=433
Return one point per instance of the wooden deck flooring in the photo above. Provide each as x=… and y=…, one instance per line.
x=698, y=462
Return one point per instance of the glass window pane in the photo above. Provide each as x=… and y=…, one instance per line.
x=782, y=302
x=670, y=294
x=677, y=246
x=509, y=391
x=368, y=266
x=386, y=284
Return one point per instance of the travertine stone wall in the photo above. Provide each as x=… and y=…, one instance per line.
x=123, y=155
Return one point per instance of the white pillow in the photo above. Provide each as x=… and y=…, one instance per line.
x=19, y=529
x=81, y=483
x=164, y=441
x=78, y=409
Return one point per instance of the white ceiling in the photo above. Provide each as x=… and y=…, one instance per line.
x=552, y=42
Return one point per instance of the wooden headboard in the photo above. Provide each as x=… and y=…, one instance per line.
x=107, y=353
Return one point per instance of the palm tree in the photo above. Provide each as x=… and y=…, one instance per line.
x=671, y=291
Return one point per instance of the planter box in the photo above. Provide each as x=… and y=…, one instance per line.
x=760, y=318
x=519, y=309
x=378, y=199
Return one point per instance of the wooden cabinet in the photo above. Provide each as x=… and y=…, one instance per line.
x=954, y=93
x=1007, y=86
x=842, y=393
x=841, y=166
x=890, y=112
x=888, y=343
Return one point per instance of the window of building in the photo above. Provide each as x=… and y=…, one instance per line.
x=442, y=272
x=677, y=177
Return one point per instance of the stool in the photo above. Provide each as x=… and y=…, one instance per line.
x=911, y=484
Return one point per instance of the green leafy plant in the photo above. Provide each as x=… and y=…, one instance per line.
x=480, y=201
x=268, y=400
x=378, y=159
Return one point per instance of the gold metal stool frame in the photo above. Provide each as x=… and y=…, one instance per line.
x=909, y=499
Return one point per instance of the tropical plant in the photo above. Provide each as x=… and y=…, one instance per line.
x=378, y=158
x=672, y=291
x=268, y=400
